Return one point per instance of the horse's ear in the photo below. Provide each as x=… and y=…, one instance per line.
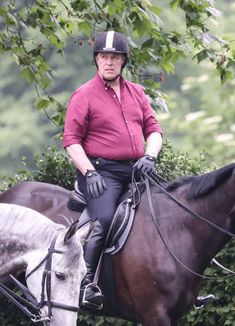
x=83, y=232
x=71, y=231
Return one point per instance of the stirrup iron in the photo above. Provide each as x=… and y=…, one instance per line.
x=202, y=301
x=87, y=303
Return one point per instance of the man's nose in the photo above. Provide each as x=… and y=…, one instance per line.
x=109, y=60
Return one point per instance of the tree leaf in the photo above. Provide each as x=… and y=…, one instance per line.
x=85, y=27
x=42, y=103
x=28, y=75
x=174, y=4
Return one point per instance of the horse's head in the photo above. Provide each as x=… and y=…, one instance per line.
x=58, y=278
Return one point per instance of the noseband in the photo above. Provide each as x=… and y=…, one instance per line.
x=30, y=301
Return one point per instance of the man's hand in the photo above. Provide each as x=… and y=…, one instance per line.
x=95, y=183
x=145, y=164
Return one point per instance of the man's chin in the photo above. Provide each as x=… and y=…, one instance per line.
x=110, y=77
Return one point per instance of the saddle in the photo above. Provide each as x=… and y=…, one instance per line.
x=123, y=218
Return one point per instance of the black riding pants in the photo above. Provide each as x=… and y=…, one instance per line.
x=117, y=175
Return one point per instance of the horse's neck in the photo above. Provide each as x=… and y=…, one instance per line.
x=182, y=230
x=27, y=223
x=13, y=250
x=207, y=241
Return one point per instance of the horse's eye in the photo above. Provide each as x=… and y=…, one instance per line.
x=60, y=276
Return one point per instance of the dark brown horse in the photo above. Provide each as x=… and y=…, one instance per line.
x=157, y=273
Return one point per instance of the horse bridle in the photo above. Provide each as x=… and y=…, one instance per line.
x=29, y=299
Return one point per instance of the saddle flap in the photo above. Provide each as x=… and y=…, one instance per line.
x=123, y=217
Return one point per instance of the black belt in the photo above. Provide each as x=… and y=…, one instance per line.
x=127, y=162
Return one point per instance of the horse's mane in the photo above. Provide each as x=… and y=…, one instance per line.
x=205, y=183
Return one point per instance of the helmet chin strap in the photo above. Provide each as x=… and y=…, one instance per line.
x=111, y=80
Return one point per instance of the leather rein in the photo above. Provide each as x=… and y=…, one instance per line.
x=156, y=180
x=29, y=303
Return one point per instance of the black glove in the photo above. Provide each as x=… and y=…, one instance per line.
x=95, y=183
x=146, y=164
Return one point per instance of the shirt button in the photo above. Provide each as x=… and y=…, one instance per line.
x=114, y=95
x=97, y=162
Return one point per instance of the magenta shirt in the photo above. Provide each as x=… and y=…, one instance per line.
x=104, y=126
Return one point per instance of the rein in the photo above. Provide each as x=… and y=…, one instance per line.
x=30, y=300
x=156, y=183
x=149, y=178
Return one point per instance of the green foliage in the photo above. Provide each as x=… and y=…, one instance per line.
x=39, y=28
x=52, y=166
x=32, y=129
x=55, y=167
x=91, y=320
x=201, y=110
x=24, y=131
x=172, y=164
x=222, y=311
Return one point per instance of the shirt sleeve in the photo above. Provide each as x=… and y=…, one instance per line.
x=150, y=122
x=76, y=120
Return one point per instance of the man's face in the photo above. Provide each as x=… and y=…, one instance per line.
x=109, y=64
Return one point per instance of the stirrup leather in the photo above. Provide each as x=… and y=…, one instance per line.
x=88, y=303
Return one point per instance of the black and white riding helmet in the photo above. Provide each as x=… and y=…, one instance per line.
x=112, y=42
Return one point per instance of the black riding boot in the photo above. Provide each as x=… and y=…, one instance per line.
x=90, y=294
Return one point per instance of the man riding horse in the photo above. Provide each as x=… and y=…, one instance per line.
x=108, y=118
x=106, y=123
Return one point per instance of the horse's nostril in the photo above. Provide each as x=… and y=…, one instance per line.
x=60, y=276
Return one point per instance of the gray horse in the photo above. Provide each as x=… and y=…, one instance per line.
x=25, y=236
